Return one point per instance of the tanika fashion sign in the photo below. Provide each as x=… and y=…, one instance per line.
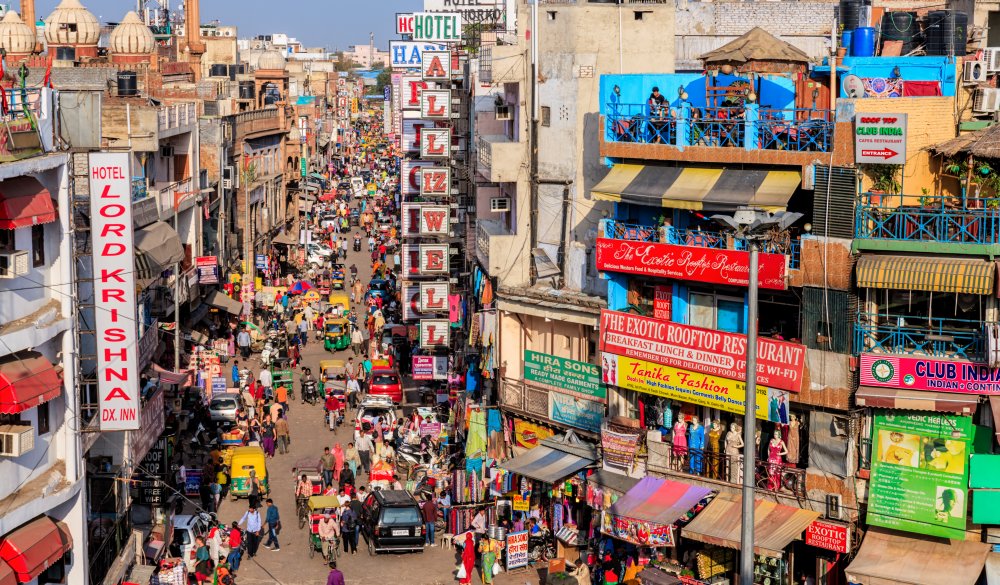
x=710, y=265
x=912, y=373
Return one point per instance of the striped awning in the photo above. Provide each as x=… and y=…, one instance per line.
x=546, y=464
x=697, y=188
x=775, y=525
x=900, y=399
x=950, y=275
x=890, y=557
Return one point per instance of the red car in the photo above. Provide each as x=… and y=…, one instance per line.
x=386, y=382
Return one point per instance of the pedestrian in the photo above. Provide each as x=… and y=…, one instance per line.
x=357, y=341
x=429, y=513
x=326, y=462
x=203, y=561
x=353, y=389
x=267, y=436
x=349, y=530
x=352, y=459
x=346, y=478
x=467, y=542
x=273, y=526
x=282, y=434
x=335, y=577
x=254, y=527
x=281, y=397
x=255, y=489
x=235, y=547
x=236, y=373
x=303, y=332
x=243, y=340
x=364, y=447
x=266, y=379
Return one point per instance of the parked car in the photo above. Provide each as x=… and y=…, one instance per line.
x=391, y=522
x=326, y=221
x=370, y=409
x=386, y=382
x=186, y=530
x=320, y=250
x=222, y=408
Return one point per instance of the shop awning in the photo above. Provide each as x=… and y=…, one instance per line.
x=34, y=547
x=285, y=239
x=947, y=275
x=659, y=500
x=219, y=300
x=7, y=576
x=546, y=464
x=24, y=202
x=900, y=399
x=27, y=382
x=697, y=188
x=889, y=557
x=612, y=481
x=157, y=248
x=775, y=525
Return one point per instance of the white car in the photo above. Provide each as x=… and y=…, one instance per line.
x=320, y=250
x=186, y=530
x=370, y=410
x=326, y=221
x=316, y=261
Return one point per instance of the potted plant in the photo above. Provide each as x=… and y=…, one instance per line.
x=884, y=178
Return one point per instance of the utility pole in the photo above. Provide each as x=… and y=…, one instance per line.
x=371, y=50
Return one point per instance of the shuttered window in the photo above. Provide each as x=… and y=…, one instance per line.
x=834, y=217
x=827, y=322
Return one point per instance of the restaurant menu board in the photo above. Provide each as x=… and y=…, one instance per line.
x=517, y=549
x=920, y=472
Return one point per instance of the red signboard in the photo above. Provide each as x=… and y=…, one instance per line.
x=688, y=263
x=662, y=297
x=716, y=353
x=433, y=259
x=829, y=535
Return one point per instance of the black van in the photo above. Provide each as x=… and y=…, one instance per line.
x=390, y=521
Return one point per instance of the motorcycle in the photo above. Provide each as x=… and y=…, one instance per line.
x=357, y=244
x=540, y=547
x=309, y=393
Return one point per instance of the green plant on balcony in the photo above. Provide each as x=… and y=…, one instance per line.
x=955, y=167
x=884, y=178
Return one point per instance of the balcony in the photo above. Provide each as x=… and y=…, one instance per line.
x=258, y=123
x=164, y=194
x=699, y=238
x=494, y=243
x=500, y=158
x=912, y=335
x=23, y=116
x=934, y=224
x=176, y=118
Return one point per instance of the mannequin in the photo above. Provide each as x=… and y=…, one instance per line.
x=734, y=442
x=793, y=440
x=679, y=437
x=776, y=449
x=696, y=443
x=714, y=437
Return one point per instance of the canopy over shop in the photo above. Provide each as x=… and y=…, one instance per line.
x=775, y=525
x=890, y=557
x=647, y=513
x=555, y=458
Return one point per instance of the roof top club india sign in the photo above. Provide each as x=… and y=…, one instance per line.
x=114, y=290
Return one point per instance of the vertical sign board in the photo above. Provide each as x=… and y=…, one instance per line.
x=435, y=143
x=434, y=220
x=433, y=297
x=435, y=65
x=410, y=219
x=406, y=54
x=410, y=175
x=435, y=104
x=435, y=182
x=413, y=86
x=433, y=259
x=404, y=23
x=114, y=290
x=434, y=333
x=880, y=139
x=441, y=27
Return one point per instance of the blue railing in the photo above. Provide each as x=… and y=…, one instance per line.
x=937, y=219
x=750, y=127
x=138, y=188
x=911, y=335
x=698, y=238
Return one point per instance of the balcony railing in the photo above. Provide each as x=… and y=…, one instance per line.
x=701, y=239
x=934, y=219
x=165, y=193
x=176, y=115
x=911, y=335
x=750, y=127
x=257, y=121
x=768, y=476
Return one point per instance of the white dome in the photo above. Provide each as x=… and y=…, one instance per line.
x=16, y=36
x=131, y=37
x=72, y=24
x=272, y=60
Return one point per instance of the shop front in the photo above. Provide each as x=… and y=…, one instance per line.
x=647, y=514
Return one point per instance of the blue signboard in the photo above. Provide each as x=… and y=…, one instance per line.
x=576, y=412
x=261, y=262
x=405, y=54
x=387, y=93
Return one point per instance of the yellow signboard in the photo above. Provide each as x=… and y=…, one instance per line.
x=691, y=387
x=528, y=434
x=520, y=503
x=354, y=105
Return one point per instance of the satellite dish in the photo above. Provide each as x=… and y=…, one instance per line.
x=853, y=86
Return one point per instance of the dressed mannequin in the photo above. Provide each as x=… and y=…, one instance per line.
x=776, y=449
x=696, y=443
x=714, y=437
x=734, y=442
x=793, y=440
x=679, y=437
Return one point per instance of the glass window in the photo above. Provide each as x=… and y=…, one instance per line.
x=6, y=240
x=43, y=418
x=701, y=310
x=400, y=516
x=730, y=316
x=38, y=245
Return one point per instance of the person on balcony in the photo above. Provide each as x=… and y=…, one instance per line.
x=658, y=116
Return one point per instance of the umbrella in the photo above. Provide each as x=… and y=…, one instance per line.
x=299, y=288
x=328, y=196
x=250, y=325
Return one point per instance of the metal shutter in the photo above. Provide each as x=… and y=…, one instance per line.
x=842, y=188
x=839, y=315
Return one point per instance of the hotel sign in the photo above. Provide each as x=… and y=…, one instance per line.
x=435, y=182
x=441, y=27
x=435, y=143
x=435, y=104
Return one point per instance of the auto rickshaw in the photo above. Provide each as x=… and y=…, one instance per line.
x=318, y=506
x=340, y=302
x=337, y=282
x=323, y=286
x=336, y=336
x=245, y=460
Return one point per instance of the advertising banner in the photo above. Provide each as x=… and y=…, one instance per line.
x=409, y=256
x=433, y=259
x=153, y=423
x=435, y=182
x=430, y=367
x=208, y=269
x=434, y=220
x=637, y=532
x=434, y=333
x=579, y=378
x=517, y=549
x=412, y=87
x=662, y=300
x=435, y=143
x=880, y=139
x=780, y=364
x=730, y=267
x=582, y=413
x=920, y=473
x=404, y=23
x=406, y=54
x=430, y=429
x=410, y=175
x=441, y=27
x=619, y=448
x=435, y=104
x=528, y=434
x=114, y=290
x=692, y=387
x=411, y=303
x=829, y=535
x=914, y=373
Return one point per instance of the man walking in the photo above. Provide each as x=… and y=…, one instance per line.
x=353, y=389
x=326, y=462
x=349, y=530
x=303, y=331
x=357, y=341
x=365, y=446
x=282, y=434
x=335, y=577
x=235, y=541
x=253, y=523
x=266, y=380
x=273, y=525
x=243, y=340
x=236, y=373
x=429, y=512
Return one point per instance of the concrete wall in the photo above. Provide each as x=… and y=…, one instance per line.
x=522, y=332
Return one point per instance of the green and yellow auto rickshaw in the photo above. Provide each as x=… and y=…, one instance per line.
x=337, y=335
x=244, y=461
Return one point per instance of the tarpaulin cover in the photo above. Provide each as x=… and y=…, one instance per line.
x=24, y=202
x=891, y=557
x=34, y=547
x=27, y=382
x=659, y=500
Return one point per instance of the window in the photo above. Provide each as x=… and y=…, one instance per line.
x=43, y=419
x=713, y=311
x=37, y=245
x=639, y=14
x=7, y=240
x=552, y=14
x=11, y=419
x=546, y=116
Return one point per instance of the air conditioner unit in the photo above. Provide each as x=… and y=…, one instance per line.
x=229, y=174
x=986, y=100
x=974, y=72
x=227, y=33
x=991, y=55
x=498, y=204
x=504, y=113
x=166, y=151
x=13, y=263
x=16, y=440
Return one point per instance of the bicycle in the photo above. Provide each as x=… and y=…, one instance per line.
x=302, y=511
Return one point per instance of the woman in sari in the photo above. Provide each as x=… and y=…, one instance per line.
x=468, y=543
x=338, y=462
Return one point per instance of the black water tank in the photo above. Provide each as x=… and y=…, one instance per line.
x=127, y=84
x=850, y=14
x=232, y=72
x=217, y=70
x=946, y=32
x=65, y=53
x=901, y=26
x=246, y=90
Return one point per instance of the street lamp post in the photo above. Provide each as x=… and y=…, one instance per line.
x=750, y=225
